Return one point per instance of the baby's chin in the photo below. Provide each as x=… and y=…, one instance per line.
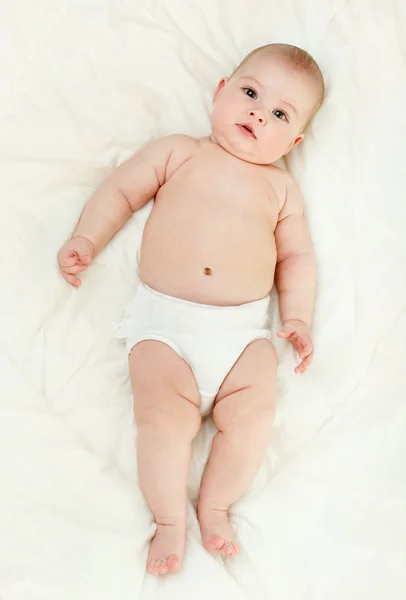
x=245, y=154
x=246, y=151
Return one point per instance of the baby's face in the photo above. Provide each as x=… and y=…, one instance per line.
x=260, y=112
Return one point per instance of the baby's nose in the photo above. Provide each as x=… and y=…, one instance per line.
x=258, y=115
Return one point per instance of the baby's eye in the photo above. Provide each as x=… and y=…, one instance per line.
x=280, y=114
x=251, y=93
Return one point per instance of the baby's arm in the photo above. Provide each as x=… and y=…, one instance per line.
x=295, y=276
x=127, y=189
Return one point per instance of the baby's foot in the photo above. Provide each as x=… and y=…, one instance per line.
x=167, y=547
x=217, y=535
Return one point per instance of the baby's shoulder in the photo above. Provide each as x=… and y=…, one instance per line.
x=179, y=143
x=181, y=148
x=286, y=189
x=181, y=139
x=278, y=180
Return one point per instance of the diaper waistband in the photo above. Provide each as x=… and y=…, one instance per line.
x=176, y=312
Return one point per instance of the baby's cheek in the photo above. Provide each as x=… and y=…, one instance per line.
x=277, y=138
x=218, y=115
x=218, y=123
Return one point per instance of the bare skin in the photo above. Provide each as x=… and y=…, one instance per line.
x=225, y=226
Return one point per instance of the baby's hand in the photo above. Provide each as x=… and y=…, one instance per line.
x=74, y=257
x=298, y=334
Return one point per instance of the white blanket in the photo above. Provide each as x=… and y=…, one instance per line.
x=84, y=83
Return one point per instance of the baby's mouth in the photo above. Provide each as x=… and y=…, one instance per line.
x=247, y=130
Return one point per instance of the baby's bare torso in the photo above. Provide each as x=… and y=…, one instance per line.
x=210, y=235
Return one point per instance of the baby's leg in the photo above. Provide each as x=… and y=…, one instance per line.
x=166, y=402
x=243, y=414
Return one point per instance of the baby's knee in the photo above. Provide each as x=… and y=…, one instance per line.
x=247, y=413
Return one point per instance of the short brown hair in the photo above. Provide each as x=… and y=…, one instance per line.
x=300, y=60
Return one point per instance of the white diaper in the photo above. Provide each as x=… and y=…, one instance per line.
x=209, y=338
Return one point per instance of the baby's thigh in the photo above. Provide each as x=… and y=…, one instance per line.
x=247, y=394
x=163, y=384
x=256, y=367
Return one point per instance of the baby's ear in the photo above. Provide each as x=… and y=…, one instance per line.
x=219, y=87
x=295, y=142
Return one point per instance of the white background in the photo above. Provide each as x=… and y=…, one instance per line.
x=83, y=84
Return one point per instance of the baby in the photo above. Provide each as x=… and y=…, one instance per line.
x=225, y=226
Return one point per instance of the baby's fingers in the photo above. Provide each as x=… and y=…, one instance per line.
x=86, y=259
x=301, y=368
x=304, y=347
x=74, y=281
x=75, y=269
x=285, y=333
x=68, y=259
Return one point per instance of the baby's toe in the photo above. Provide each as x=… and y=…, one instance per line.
x=163, y=568
x=150, y=565
x=216, y=541
x=173, y=563
x=228, y=549
x=156, y=566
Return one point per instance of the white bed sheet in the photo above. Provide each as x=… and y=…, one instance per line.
x=83, y=84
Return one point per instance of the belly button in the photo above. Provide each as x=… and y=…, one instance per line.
x=207, y=271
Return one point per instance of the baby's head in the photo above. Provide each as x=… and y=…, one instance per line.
x=260, y=112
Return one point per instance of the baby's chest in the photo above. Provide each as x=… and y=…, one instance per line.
x=241, y=188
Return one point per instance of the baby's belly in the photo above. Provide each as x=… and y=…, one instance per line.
x=207, y=263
